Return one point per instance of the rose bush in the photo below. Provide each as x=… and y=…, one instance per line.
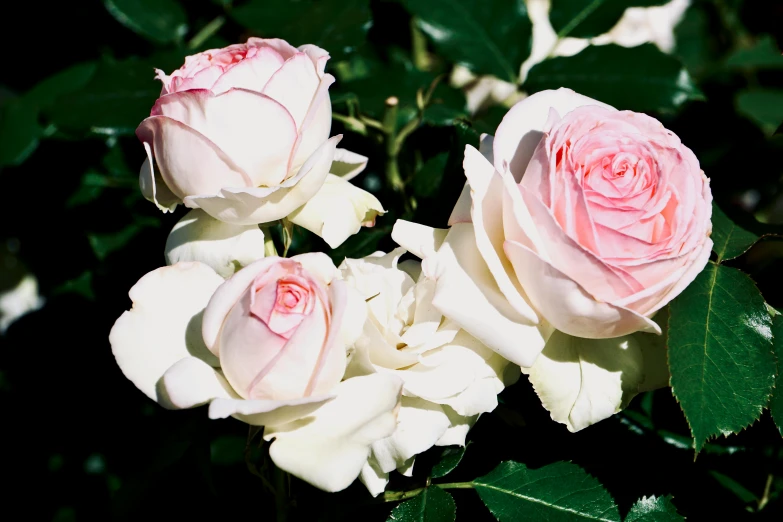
x=243, y=133
x=449, y=377
x=579, y=218
x=268, y=347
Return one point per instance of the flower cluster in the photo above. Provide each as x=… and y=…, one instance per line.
x=578, y=223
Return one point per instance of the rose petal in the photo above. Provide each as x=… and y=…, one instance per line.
x=329, y=448
x=315, y=126
x=373, y=478
x=265, y=412
x=583, y=381
x=224, y=247
x=522, y=127
x=164, y=324
x=191, y=382
x=337, y=211
x=418, y=239
x=294, y=86
x=251, y=73
x=347, y=164
x=262, y=205
x=153, y=188
x=285, y=49
x=317, y=55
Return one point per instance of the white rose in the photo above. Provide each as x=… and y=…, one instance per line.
x=268, y=347
x=449, y=377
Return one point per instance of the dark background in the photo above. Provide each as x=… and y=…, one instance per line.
x=81, y=443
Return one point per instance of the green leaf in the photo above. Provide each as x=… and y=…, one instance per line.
x=105, y=244
x=19, y=131
x=81, y=285
x=558, y=492
x=720, y=353
x=764, y=106
x=361, y=244
x=449, y=460
x=428, y=178
x=742, y=493
x=161, y=21
x=487, y=36
x=639, y=78
x=47, y=91
x=431, y=505
x=763, y=55
x=339, y=26
x=227, y=450
x=654, y=509
x=729, y=239
x=776, y=402
x=116, y=99
x=589, y=18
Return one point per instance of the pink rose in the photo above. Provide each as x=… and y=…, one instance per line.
x=275, y=328
x=243, y=133
x=576, y=217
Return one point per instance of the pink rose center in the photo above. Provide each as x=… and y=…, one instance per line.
x=282, y=298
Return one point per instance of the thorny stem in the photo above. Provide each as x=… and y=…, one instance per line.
x=395, y=496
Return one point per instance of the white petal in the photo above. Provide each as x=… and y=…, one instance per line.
x=583, y=381
x=420, y=424
x=317, y=55
x=262, y=205
x=153, y=188
x=522, y=127
x=329, y=448
x=191, y=382
x=373, y=478
x=419, y=240
x=294, y=85
x=347, y=164
x=164, y=324
x=467, y=293
x=266, y=412
x=461, y=212
x=458, y=429
x=337, y=211
x=224, y=247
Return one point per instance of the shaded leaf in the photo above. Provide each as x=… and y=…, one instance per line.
x=428, y=178
x=361, y=244
x=449, y=460
x=47, y=91
x=729, y=239
x=776, y=402
x=742, y=493
x=763, y=55
x=720, y=353
x=558, y=492
x=161, y=21
x=339, y=26
x=19, y=131
x=763, y=106
x=589, y=18
x=431, y=505
x=487, y=36
x=639, y=78
x=654, y=509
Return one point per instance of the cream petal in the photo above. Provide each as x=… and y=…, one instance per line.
x=262, y=205
x=316, y=126
x=251, y=73
x=317, y=55
x=420, y=424
x=373, y=478
x=458, y=429
x=152, y=186
x=461, y=212
x=294, y=85
x=329, y=448
x=164, y=324
x=319, y=265
x=467, y=293
x=566, y=305
x=251, y=128
x=337, y=211
x=191, y=382
x=347, y=165
x=522, y=127
x=189, y=162
x=419, y=240
x=583, y=381
x=266, y=412
x=224, y=247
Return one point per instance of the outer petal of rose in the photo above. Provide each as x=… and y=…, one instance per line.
x=317, y=55
x=294, y=86
x=522, y=126
x=252, y=74
x=566, y=305
x=262, y=205
x=373, y=478
x=337, y=211
x=467, y=293
x=461, y=212
x=316, y=125
x=188, y=161
x=583, y=381
x=419, y=240
x=487, y=190
x=329, y=448
x=347, y=164
x=256, y=131
x=191, y=382
x=164, y=324
x=153, y=188
x=420, y=424
x=458, y=429
x=224, y=247
x=285, y=49
x=320, y=265
x=266, y=412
